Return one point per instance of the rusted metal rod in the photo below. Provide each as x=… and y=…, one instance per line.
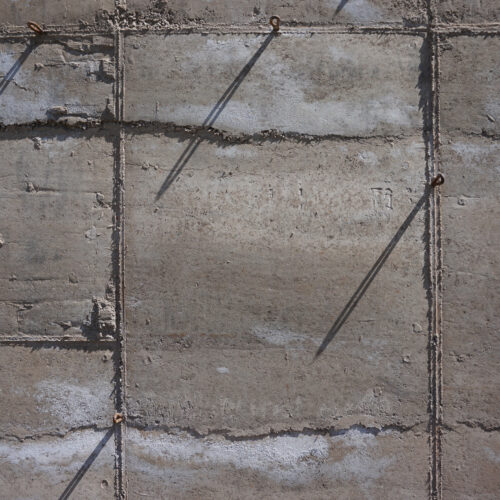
x=35, y=27
x=275, y=22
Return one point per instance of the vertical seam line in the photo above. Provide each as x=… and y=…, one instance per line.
x=120, y=476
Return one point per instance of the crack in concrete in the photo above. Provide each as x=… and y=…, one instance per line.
x=53, y=434
x=308, y=431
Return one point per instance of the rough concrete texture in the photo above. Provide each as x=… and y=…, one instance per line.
x=78, y=465
x=257, y=242
x=320, y=84
x=470, y=464
x=223, y=271
x=50, y=391
x=56, y=230
x=69, y=81
x=407, y=12
x=19, y=12
x=471, y=231
x=471, y=296
x=468, y=11
x=470, y=69
x=354, y=464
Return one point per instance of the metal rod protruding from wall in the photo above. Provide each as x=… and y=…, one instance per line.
x=438, y=180
x=35, y=27
x=275, y=22
x=117, y=418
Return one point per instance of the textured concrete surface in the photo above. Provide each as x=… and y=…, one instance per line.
x=54, y=390
x=56, y=195
x=354, y=464
x=64, y=80
x=19, y=12
x=468, y=11
x=57, y=405
x=78, y=465
x=470, y=238
x=310, y=84
x=470, y=464
x=471, y=232
x=470, y=68
x=471, y=296
x=257, y=244
x=223, y=273
x=407, y=12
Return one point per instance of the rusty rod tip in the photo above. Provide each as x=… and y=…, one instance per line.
x=274, y=21
x=438, y=180
x=35, y=27
x=117, y=418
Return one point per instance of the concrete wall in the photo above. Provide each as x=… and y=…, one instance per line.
x=224, y=272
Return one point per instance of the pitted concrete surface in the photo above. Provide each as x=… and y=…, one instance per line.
x=272, y=225
x=57, y=189
x=18, y=12
x=224, y=272
x=319, y=12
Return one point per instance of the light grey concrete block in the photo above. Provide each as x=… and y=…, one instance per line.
x=67, y=80
x=348, y=85
x=354, y=464
x=471, y=295
x=56, y=227
x=54, y=390
x=19, y=12
x=237, y=273
x=312, y=12
x=470, y=464
x=470, y=89
x=77, y=466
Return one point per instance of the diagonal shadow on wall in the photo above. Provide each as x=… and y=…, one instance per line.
x=340, y=6
x=9, y=76
x=212, y=117
x=358, y=294
x=86, y=466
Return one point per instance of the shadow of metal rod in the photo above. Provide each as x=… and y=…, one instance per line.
x=212, y=117
x=9, y=76
x=86, y=466
x=356, y=297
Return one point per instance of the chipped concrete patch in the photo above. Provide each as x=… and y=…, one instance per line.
x=40, y=77
x=278, y=335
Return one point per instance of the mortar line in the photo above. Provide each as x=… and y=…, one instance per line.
x=68, y=31
x=118, y=271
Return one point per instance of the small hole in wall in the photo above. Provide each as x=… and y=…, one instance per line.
x=104, y=484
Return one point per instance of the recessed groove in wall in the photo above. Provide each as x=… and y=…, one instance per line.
x=435, y=340
x=118, y=268
x=70, y=31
